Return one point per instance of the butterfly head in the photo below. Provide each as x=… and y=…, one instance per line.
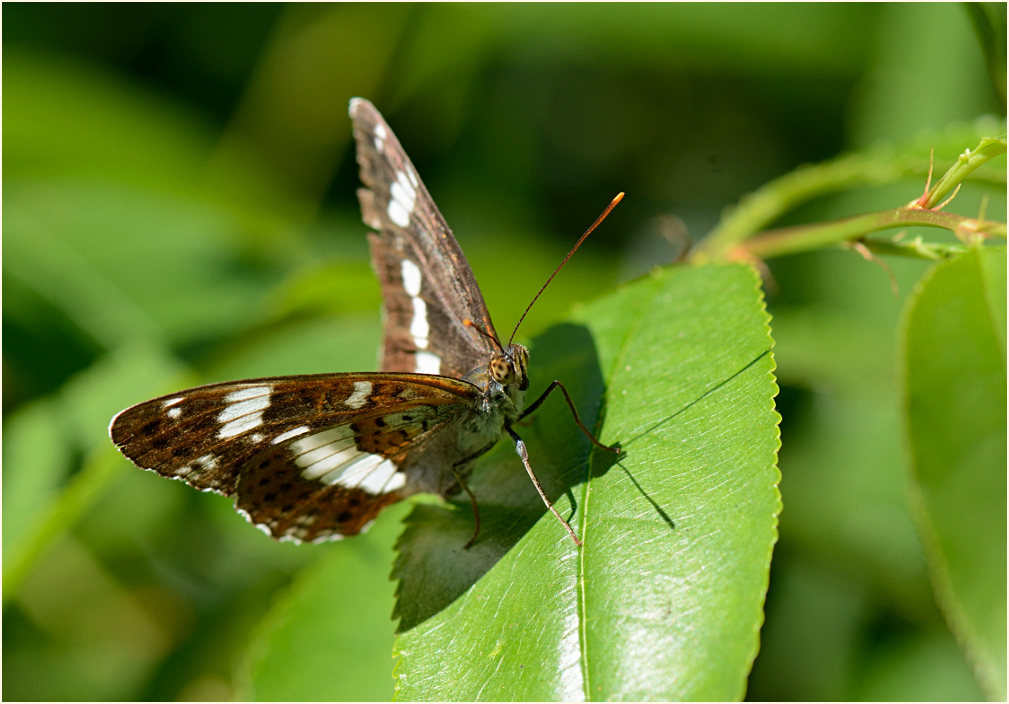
x=508, y=367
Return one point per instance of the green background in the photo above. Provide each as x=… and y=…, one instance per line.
x=179, y=208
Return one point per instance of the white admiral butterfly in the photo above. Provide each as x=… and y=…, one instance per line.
x=316, y=457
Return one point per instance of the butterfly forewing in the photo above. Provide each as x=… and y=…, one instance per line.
x=306, y=457
x=427, y=285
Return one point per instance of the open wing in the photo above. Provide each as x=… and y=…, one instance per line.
x=308, y=457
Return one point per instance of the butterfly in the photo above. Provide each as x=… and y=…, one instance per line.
x=317, y=457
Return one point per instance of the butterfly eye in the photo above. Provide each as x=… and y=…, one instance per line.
x=500, y=369
x=519, y=357
x=510, y=367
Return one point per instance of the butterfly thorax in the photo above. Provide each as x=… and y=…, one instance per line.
x=447, y=454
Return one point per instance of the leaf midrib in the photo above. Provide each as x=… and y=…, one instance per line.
x=583, y=607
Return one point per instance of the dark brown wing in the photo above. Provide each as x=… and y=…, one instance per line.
x=306, y=457
x=427, y=285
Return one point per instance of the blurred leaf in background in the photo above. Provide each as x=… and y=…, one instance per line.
x=179, y=208
x=954, y=379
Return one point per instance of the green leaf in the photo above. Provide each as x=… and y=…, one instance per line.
x=329, y=637
x=41, y=503
x=88, y=249
x=928, y=93
x=954, y=403
x=37, y=458
x=924, y=667
x=665, y=600
x=988, y=19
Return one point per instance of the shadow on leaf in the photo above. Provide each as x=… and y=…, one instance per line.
x=432, y=567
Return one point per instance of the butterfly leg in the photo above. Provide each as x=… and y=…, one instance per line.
x=472, y=498
x=543, y=397
x=520, y=448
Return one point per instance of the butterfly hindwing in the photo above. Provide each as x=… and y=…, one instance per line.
x=427, y=285
x=334, y=481
x=306, y=457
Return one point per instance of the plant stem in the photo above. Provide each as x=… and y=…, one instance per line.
x=988, y=148
x=731, y=238
x=754, y=211
x=802, y=238
x=915, y=249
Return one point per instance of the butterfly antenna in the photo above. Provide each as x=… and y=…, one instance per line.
x=479, y=328
x=593, y=226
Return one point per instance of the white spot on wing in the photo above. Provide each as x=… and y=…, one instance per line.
x=293, y=433
x=380, y=135
x=206, y=463
x=173, y=413
x=419, y=327
x=247, y=393
x=332, y=457
x=402, y=198
x=411, y=277
x=398, y=214
x=322, y=439
x=244, y=410
x=373, y=474
x=427, y=363
x=362, y=389
x=240, y=425
x=324, y=452
x=325, y=461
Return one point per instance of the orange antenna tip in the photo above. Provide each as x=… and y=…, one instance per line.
x=602, y=216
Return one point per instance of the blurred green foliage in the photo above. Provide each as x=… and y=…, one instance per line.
x=179, y=208
x=953, y=365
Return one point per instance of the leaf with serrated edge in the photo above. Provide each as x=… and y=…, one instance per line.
x=665, y=599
